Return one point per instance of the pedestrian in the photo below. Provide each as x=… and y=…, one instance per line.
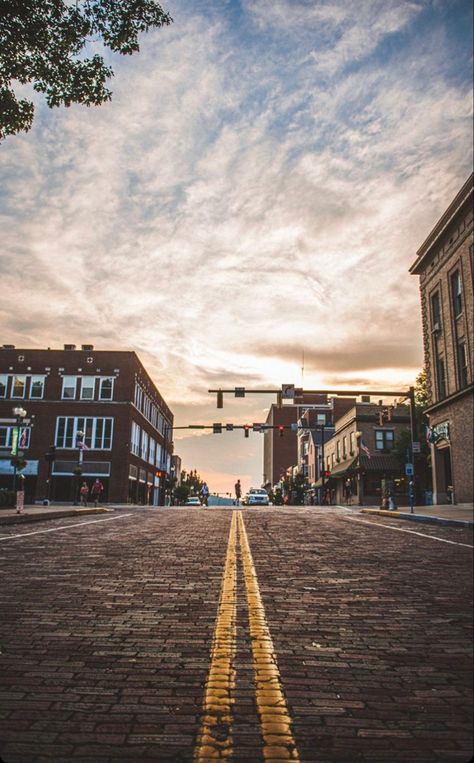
x=238, y=492
x=84, y=493
x=348, y=491
x=204, y=495
x=96, y=490
x=391, y=502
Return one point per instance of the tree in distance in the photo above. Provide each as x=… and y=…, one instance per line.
x=42, y=42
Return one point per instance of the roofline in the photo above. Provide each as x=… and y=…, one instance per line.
x=461, y=197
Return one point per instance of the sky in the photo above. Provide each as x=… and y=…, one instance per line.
x=254, y=193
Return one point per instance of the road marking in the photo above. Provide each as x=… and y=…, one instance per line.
x=275, y=719
x=63, y=527
x=214, y=739
x=402, y=530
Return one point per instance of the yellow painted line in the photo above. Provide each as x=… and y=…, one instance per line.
x=275, y=720
x=214, y=739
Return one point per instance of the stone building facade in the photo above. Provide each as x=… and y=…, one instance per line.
x=96, y=411
x=445, y=265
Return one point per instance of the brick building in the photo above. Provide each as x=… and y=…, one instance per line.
x=279, y=453
x=445, y=264
x=359, y=428
x=99, y=411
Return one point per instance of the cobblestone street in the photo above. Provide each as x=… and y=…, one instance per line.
x=107, y=626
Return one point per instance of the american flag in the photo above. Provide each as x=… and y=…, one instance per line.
x=23, y=438
x=363, y=447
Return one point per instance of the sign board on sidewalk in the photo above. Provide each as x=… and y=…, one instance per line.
x=409, y=470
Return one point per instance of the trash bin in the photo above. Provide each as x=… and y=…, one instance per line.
x=428, y=498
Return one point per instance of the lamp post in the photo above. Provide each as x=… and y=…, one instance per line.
x=80, y=447
x=20, y=415
x=358, y=436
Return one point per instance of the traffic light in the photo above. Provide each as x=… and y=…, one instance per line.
x=246, y=430
x=281, y=429
x=220, y=399
x=217, y=428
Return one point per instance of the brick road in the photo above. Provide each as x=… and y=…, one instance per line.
x=106, y=629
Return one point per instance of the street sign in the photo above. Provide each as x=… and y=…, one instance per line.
x=229, y=427
x=294, y=426
x=257, y=427
x=217, y=428
x=239, y=391
x=416, y=447
x=409, y=470
x=288, y=391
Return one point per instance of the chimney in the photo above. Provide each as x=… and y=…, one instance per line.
x=87, y=347
x=8, y=347
x=365, y=398
x=69, y=346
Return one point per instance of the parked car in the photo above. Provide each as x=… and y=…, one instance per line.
x=256, y=497
x=193, y=500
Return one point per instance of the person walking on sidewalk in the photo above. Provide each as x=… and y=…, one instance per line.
x=204, y=495
x=96, y=491
x=84, y=493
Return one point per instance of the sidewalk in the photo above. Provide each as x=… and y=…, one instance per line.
x=33, y=513
x=461, y=514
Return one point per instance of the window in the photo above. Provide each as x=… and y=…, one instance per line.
x=135, y=439
x=8, y=439
x=384, y=439
x=462, y=365
x=144, y=448
x=321, y=418
x=441, y=378
x=152, y=451
x=344, y=447
x=456, y=293
x=3, y=385
x=97, y=432
x=19, y=384
x=338, y=450
x=352, y=443
x=69, y=388
x=435, y=312
x=87, y=387
x=37, y=387
x=106, y=388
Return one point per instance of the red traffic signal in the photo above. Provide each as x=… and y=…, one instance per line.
x=281, y=429
x=246, y=430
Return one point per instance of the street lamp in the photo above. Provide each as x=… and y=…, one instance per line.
x=20, y=415
x=80, y=447
x=358, y=436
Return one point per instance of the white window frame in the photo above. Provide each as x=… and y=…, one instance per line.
x=144, y=446
x=67, y=384
x=87, y=385
x=84, y=423
x=101, y=382
x=37, y=378
x=18, y=397
x=4, y=378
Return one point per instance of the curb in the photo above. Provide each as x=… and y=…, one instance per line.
x=20, y=518
x=419, y=517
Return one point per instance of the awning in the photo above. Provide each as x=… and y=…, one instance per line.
x=347, y=468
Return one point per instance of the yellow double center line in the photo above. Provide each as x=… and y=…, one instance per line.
x=215, y=737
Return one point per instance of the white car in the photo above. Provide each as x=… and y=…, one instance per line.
x=257, y=497
x=193, y=500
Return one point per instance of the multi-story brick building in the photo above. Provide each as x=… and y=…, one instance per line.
x=98, y=411
x=445, y=264
x=361, y=450
x=279, y=453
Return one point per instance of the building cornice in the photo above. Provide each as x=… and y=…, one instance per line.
x=447, y=400
x=424, y=251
